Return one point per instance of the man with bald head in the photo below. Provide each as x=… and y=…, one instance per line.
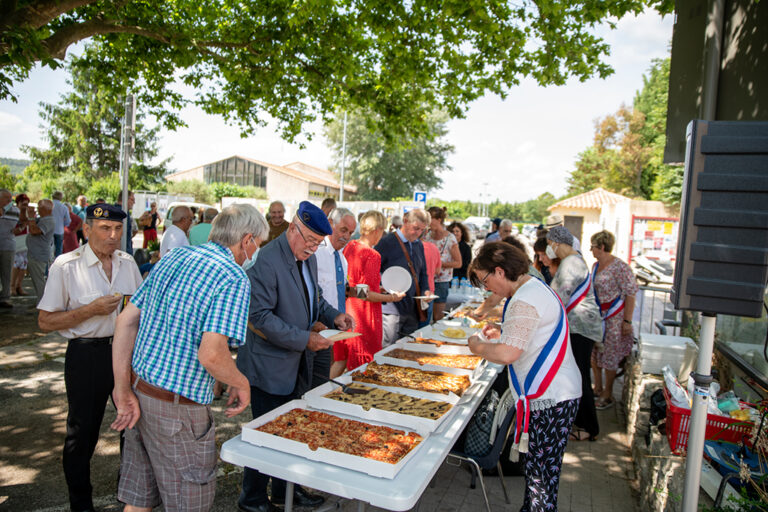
x=277, y=222
x=176, y=235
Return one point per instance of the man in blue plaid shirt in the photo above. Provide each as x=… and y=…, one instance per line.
x=171, y=342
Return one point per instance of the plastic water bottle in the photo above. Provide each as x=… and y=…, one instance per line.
x=464, y=288
x=455, y=284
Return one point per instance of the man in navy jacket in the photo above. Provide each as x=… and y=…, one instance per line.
x=402, y=318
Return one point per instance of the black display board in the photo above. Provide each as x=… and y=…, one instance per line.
x=722, y=250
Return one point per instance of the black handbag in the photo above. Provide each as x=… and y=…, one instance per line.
x=478, y=440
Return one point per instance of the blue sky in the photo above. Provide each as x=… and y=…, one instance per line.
x=520, y=147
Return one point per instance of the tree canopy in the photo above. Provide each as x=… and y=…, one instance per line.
x=250, y=61
x=83, y=136
x=628, y=149
x=382, y=169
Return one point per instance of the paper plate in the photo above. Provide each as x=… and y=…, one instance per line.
x=396, y=280
x=336, y=335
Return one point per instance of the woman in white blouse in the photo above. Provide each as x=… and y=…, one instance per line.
x=545, y=381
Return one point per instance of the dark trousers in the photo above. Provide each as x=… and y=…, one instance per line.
x=81, y=237
x=586, y=418
x=254, y=491
x=89, y=381
x=321, y=367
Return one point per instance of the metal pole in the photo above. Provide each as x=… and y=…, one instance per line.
x=713, y=48
x=126, y=150
x=702, y=378
x=343, y=158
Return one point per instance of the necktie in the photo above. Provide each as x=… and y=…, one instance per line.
x=340, y=288
x=299, y=264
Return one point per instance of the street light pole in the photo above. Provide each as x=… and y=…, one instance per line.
x=343, y=157
x=126, y=151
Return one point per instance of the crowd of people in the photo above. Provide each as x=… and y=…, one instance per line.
x=160, y=339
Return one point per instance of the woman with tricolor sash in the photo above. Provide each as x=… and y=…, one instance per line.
x=573, y=283
x=615, y=290
x=533, y=342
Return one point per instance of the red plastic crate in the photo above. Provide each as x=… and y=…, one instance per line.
x=719, y=428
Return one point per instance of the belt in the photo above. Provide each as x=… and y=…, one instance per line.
x=159, y=393
x=106, y=339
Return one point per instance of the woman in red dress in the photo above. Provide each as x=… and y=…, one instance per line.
x=364, y=268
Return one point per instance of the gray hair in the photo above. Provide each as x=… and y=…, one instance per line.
x=339, y=213
x=397, y=221
x=210, y=214
x=58, y=195
x=416, y=215
x=273, y=203
x=236, y=221
x=505, y=223
x=179, y=213
x=45, y=203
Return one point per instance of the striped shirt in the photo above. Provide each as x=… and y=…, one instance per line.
x=190, y=291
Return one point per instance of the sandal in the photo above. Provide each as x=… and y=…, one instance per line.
x=579, y=434
x=603, y=403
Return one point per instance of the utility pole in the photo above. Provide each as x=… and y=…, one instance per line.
x=126, y=152
x=343, y=157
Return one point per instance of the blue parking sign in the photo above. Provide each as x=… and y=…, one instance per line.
x=420, y=197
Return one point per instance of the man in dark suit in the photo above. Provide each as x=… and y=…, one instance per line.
x=286, y=301
x=402, y=318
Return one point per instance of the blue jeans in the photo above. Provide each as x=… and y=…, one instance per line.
x=58, y=245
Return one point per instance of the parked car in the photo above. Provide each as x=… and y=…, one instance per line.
x=195, y=207
x=482, y=225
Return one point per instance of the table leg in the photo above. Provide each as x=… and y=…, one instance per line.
x=288, y=496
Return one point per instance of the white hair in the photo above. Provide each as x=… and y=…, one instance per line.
x=236, y=221
x=339, y=213
x=505, y=223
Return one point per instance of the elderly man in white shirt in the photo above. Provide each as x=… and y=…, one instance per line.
x=332, y=278
x=61, y=220
x=176, y=235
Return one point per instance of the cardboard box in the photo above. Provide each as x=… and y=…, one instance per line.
x=382, y=358
x=316, y=399
x=344, y=460
x=655, y=351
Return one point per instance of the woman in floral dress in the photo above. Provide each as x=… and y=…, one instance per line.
x=613, y=279
x=364, y=268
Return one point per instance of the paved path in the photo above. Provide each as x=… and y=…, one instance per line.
x=596, y=476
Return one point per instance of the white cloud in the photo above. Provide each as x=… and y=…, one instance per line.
x=9, y=121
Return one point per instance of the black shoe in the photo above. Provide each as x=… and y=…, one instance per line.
x=301, y=498
x=264, y=507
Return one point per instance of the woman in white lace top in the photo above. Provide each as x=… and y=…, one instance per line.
x=533, y=316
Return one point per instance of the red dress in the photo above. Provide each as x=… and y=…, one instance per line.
x=70, y=233
x=364, y=268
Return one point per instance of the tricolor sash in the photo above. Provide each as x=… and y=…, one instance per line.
x=540, y=376
x=579, y=293
x=609, y=309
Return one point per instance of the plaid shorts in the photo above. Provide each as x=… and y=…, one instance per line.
x=169, y=457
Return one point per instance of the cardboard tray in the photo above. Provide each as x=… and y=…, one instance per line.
x=382, y=358
x=435, y=349
x=344, y=460
x=425, y=394
x=315, y=398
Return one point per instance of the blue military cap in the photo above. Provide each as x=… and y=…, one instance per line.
x=314, y=218
x=104, y=211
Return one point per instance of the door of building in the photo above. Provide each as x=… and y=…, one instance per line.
x=574, y=224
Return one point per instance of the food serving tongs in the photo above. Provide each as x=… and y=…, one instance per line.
x=346, y=388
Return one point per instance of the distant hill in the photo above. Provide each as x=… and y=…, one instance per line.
x=17, y=165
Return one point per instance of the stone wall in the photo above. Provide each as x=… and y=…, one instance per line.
x=660, y=474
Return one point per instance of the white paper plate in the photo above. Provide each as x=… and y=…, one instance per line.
x=396, y=280
x=336, y=335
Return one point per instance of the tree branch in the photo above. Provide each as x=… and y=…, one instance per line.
x=38, y=14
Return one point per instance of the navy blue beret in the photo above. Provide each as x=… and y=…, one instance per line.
x=314, y=218
x=104, y=211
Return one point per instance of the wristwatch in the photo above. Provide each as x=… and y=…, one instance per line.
x=628, y=321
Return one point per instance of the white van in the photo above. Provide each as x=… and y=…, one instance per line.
x=195, y=207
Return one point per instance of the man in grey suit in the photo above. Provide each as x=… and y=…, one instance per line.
x=286, y=301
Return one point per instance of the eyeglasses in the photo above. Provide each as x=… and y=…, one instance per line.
x=482, y=281
x=310, y=245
